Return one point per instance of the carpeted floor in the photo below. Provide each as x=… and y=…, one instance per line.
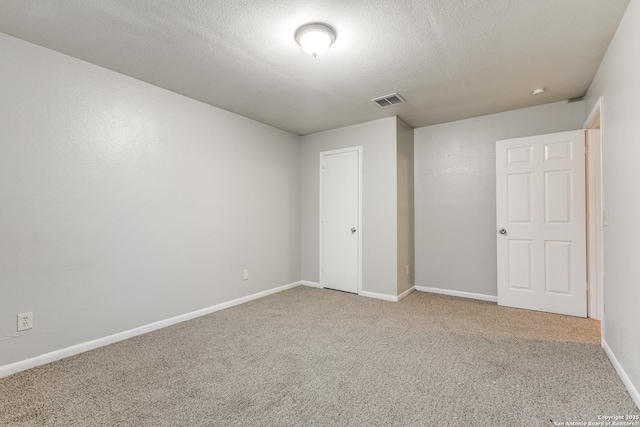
x=318, y=357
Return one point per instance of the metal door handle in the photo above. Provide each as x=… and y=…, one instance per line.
x=503, y=231
x=353, y=230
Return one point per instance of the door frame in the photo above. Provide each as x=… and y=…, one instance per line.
x=595, y=203
x=358, y=149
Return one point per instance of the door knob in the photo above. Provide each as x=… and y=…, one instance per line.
x=503, y=231
x=353, y=230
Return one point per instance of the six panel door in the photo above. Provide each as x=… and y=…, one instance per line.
x=541, y=227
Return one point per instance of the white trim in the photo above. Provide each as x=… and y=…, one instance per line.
x=594, y=115
x=471, y=295
x=360, y=183
x=405, y=293
x=311, y=284
x=595, y=208
x=359, y=150
x=120, y=336
x=633, y=391
x=375, y=295
x=367, y=294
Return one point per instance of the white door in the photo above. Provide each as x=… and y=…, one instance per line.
x=340, y=184
x=541, y=228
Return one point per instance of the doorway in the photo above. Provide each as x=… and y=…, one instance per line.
x=341, y=219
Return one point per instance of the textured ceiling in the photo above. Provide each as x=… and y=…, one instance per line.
x=449, y=59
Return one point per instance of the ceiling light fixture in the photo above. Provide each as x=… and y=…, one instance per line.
x=315, y=38
x=538, y=91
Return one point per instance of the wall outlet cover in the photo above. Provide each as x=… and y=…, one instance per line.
x=25, y=321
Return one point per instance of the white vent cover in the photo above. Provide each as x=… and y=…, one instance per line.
x=388, y=100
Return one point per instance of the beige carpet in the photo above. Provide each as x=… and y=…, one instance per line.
x=318, y=357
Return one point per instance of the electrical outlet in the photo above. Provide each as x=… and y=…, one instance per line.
x=245, y=274
x=407, y=268
x=25, y=321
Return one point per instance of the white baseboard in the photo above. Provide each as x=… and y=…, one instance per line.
x=481, y=297
x=311, y=284
x=633, y=391
x=365, y=293
x=23, y=365
x=383, y=297
x=405, y=293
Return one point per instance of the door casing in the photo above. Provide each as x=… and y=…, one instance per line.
x=595, y=209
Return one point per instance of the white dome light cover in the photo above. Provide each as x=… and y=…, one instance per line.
x=315, y=38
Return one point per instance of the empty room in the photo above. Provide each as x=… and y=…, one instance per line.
x=319, y=213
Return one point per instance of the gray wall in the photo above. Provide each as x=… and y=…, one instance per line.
x=406, y=229
x=455, y=192
x=124, y=204
x=379, y=214
x=618, y=82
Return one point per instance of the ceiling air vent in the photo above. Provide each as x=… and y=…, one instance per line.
x=388, y=100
